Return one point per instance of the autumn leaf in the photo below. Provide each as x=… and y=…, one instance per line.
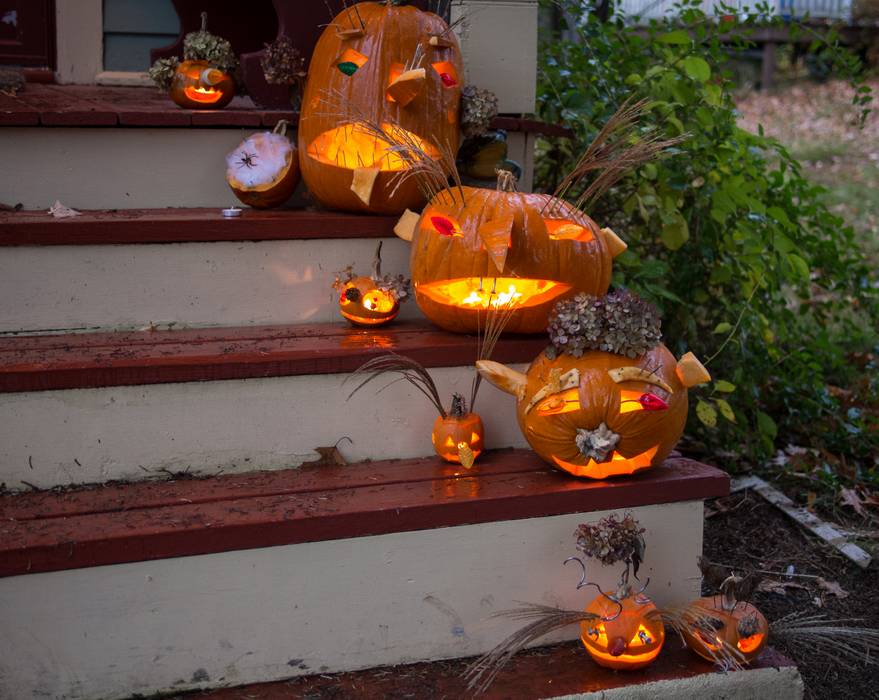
x=832, y=588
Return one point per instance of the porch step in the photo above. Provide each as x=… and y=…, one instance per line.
x=144, y=588
x=131, y=269
x=139, y=405
x=558, y=671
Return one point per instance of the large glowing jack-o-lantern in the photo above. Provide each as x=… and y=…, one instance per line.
x=601, y=414
x=474, y=250
x=200, y=85
x=396, y=66
x=727, y=627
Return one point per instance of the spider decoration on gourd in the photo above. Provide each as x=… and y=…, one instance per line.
x=263, y=170
x=370, y=300
x=396, y=66
x=475, y=246
x=606, y=398
x=205, y=77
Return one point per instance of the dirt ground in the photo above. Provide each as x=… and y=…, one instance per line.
x=744, y=531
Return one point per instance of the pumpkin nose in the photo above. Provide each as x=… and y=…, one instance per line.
x=597, y=444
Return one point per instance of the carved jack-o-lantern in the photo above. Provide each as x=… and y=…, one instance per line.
x=200, y=85
x=602, y=414
x=628, y=635
x=478, y=249
x=396, y=66
x=727, y=626
x=458, y=437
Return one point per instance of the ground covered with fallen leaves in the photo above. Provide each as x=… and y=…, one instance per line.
x=745, y=532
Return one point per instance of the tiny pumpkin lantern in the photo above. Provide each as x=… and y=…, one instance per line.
x=395, y=66
x=606, y=398
x=727, y=626
x=373, y=300
x=458, y=436
x=204, y=79
x=263, y=170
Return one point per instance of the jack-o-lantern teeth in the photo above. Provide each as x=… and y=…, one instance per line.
x=638, y=401
x=566, y=230
x=350, y=61
x=639, y=374
x=446, y=72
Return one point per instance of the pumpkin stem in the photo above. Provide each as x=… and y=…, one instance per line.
x=204, y=21
x=377, y=263
x=281, y=127
x=506, y=181
x=459, y=406
x=728, y=600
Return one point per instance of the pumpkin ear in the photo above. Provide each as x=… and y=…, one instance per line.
x=691, y=372
x=615, y=244
x=405, y=227
x=362, y=183
x=406, y=86
x=504, y=378
x=496, y=236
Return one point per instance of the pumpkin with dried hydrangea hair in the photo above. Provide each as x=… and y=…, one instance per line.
x=370, y=300
x=606, y=398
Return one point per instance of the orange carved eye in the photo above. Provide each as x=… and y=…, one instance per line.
x=396, y=71
x=446, y=72
x=639, y=401
x=564, y=230
x=445, y=226
x=350, y=61
x=562, y=402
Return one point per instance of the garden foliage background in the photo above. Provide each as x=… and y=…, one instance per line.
x=750, y=268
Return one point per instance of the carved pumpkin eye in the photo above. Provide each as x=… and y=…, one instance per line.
x=565, y=230
x=445, y=226
x=396, y=71
x=562, y=402
x=350, y=61
x=638, y=401
x=446, y=72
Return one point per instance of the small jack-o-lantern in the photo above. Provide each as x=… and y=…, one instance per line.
x=458, y=436
x=395, y=66
x=628, y=634
x=263, y=170
x=475, y=249
x=596, y=413
x=200, y=85
x=373, y=300
x=727, y=627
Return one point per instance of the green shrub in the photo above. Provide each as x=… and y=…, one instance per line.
x=725, y=234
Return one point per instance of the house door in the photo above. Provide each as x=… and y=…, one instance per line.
x=27, y=33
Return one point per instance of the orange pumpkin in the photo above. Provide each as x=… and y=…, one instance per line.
x=601, y=414
x=370, y=301
x=474, y=249
x=459, y=436
x=200, y=85
x=263, y=170
x=398, y=67
x=628, y=635
x=730, y=626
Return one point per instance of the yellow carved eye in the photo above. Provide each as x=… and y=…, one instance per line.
x=562, y=402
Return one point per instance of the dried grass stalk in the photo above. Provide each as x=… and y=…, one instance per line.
x=693, y=619
x=542, y=619
x=837, y=640
x=496, y=320
x=406, y=368
x=616, y=149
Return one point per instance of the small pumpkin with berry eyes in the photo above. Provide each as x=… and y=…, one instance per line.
x=606, y=398
x=396, y=66
x=370, y=300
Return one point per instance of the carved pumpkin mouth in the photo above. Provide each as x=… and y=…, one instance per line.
x=617, y=464
x=205, y=95
x=496, y=292
x=349, y=146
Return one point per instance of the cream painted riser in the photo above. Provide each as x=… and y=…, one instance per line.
x=116, y=287
x=265, y=614
x=52, y=438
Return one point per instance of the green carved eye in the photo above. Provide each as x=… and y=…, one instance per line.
x=350, y=61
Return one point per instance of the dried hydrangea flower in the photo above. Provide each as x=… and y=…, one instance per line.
x=282, y=63
x=478, y=108
x=612, y=540
x=162, y=72
x=397, y=285
x=621, y=323
x=201, y=45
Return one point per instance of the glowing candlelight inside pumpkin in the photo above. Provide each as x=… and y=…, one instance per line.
x=202, y=94
x=492, y=292
x=349, y=146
